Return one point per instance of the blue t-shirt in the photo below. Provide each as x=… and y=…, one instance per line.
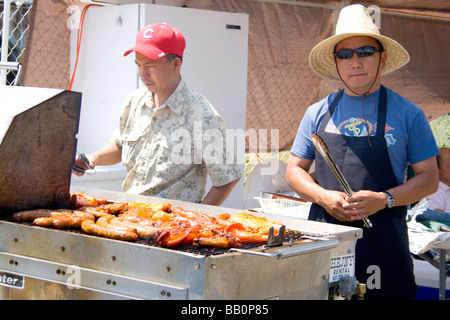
x=408, y=134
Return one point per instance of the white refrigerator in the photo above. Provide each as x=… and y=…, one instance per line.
x=215, y=64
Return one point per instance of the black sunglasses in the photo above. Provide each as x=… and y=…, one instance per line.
x=365, y=51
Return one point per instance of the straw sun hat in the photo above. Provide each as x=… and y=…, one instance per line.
x=354, y=20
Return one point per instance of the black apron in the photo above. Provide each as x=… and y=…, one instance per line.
x=385, y=246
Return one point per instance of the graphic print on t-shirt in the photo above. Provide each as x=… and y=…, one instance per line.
x=358, y=127
x=355, y=127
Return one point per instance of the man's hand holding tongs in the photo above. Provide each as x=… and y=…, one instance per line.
x=82, y=165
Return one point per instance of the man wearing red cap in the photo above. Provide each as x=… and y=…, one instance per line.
x=165, y=129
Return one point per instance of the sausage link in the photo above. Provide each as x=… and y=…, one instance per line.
x=104, y=221
x=89, y=226
x=143, y=231
x=63, y=219
x=30, y=215
x=44, y=222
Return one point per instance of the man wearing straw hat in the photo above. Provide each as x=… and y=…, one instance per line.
x=372, y=134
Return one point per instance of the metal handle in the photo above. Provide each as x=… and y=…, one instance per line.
x=75, y=277
x=292, y=251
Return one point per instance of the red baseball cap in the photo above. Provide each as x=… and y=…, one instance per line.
x=158, y=40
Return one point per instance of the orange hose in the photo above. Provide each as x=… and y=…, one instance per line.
x=79, y=36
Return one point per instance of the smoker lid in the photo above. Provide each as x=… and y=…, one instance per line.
x=37, y=146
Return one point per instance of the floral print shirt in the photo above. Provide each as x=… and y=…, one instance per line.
x=169, y=151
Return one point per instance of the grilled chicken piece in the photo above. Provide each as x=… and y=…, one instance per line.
x=260, y=225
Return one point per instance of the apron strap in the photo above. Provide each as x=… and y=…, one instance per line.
x=382, y=110
x=330, y=111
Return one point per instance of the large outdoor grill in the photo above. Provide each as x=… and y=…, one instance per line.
x=58, y=264
x=45, y=263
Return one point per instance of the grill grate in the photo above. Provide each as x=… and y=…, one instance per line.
x=292, y=236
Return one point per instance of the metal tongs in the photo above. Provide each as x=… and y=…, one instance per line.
x=85, y=160
x=322, y=148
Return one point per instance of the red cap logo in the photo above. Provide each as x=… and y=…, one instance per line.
x=158, y=40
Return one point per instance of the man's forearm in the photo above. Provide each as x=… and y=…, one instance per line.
x=424, y=183
x=109, y=154
x=217, y=195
